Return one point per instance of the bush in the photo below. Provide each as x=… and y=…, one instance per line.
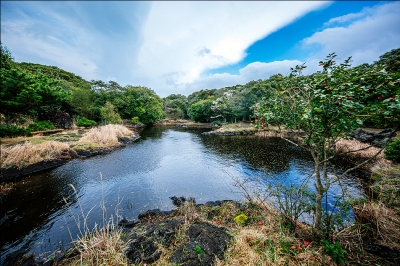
x=392, y=150
x=84, y=122
x=40, y=126
x=12, y=131
x=135, y=120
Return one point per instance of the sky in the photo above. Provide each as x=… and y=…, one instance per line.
x=181, y=47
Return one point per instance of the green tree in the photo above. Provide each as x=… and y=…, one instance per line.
x=109, y=115
x=22, y=92
x=201, y=110
x=322, y=108
x=7, y=60
x=391, y=60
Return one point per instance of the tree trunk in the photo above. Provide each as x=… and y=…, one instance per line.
x=320, y=194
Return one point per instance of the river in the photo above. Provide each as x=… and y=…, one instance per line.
x=42, y=213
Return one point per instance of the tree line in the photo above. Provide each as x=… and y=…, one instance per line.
x=27, y=89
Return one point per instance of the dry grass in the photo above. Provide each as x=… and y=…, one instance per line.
x=361, y=150
x=385, y=223
x=6, y=188
x=27, y=153
x=102, y=247
x=106, y=136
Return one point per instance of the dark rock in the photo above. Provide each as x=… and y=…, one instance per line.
x=143, y=247
x=376, y=139
x=177, y=201
x=125, y=223
x=164, y=231
x=12, y=173
x=19, y=258
x=206, y=242
x=152, y=214
x=382, y=251
x=59, y=118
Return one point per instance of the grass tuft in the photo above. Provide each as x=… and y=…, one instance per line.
x=106, y=136
x=27, y=153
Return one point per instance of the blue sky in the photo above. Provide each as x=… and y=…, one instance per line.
x=181, y=47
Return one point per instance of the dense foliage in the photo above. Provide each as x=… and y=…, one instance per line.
x=324, y=107
x=392, y=150
x=84, y=122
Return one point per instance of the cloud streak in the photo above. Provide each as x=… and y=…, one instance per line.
x=182, y=40
x=369, y=34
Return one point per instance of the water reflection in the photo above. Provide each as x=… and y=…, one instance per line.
x=162, y=163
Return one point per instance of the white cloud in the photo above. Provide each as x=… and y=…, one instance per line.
x=182, y=40
x=253, y=71
x=375, y=32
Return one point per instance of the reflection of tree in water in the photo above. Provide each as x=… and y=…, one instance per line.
x=270, y=154
x=152, y=132
x=33, y=201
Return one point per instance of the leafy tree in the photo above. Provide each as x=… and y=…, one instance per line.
x=7, y=60
x=22, y=92
x=175, y=106
x=201, y=110
x=323, y=107
x=109, y=115
x=391, y=60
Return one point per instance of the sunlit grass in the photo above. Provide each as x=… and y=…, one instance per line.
x=28, y=153
x=106, y=136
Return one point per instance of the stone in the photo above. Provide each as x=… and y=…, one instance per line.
x=205, y=242
x=142, y=247
x=59, y=118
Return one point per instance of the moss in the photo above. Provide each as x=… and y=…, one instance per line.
x=241, y=219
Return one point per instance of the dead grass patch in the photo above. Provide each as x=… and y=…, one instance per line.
x=27, y=153
x=357, y=149
x=384, y=222
x=106, y=136
x=102, y=247
x=6, y=188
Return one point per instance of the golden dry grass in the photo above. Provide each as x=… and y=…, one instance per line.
x=6, y=188
x=27, y=153
x=102, y=247
x=384, y=222
x=361, y=150
x=106, y=136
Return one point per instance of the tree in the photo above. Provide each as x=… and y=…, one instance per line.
x=109, y=115
x=322, y=108
x=22, y=92
x=391, y=60
x=201, y=110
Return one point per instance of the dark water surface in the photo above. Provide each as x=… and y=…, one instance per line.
x=41, y=215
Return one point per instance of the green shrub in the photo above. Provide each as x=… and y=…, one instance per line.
x=335, y=251
x=12, y=131
x=241, y=219
x=84, y=122
x=392, y=150
x=135, y=120
x=40, y=126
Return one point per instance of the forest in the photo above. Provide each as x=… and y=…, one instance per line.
x=29, y=89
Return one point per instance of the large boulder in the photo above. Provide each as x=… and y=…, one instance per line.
x=59, y=118
x=206, y=241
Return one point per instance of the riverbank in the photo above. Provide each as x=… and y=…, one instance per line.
x=23, y=156
x=220, y=233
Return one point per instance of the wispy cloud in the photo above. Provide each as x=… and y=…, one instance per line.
x=371, y=33
x=182, y=40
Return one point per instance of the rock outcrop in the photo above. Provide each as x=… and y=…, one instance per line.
x=376, y=139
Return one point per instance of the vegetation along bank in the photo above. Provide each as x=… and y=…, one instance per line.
x=318, y=112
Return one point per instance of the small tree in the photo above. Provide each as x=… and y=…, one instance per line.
x=323, y=107
x=108, y=114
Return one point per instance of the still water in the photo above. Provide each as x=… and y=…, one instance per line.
x=42, y=213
